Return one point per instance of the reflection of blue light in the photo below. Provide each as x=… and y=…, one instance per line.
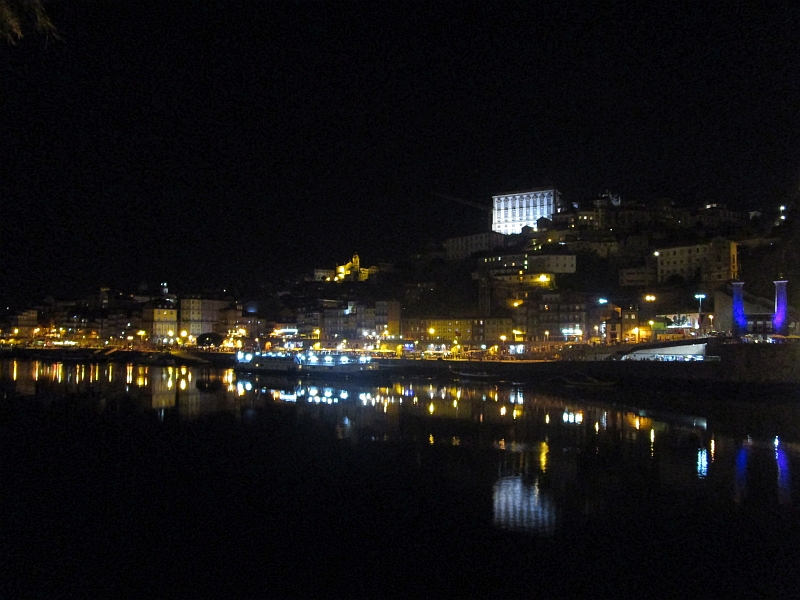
x=702, y=463
x=740, y=476
x=784, y=481
x=522, y=507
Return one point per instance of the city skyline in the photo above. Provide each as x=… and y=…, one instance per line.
x=213, y=144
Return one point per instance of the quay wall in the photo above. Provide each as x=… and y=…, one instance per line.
x=736, y=364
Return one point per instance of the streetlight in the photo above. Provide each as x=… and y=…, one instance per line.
x=635, y=331
x=431, y=331
x=503, y=339
x=546, y=336
x=652, y=333
x=711, y=321
x=700, y=309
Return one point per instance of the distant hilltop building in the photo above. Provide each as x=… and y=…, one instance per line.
x=512, y=212
x=350, y=271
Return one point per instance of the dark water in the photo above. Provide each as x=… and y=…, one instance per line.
x=133, y=480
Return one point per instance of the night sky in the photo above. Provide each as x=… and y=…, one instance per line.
x=206, y=143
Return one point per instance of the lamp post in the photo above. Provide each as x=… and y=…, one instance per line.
x=503, y=339
x=700, y=308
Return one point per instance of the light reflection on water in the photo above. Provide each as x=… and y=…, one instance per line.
x=557, y=458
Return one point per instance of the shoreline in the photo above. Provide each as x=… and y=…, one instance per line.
x=765, y=365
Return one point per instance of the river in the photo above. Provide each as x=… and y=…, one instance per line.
x=125, y=478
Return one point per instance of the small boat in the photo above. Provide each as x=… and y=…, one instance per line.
x=474, y=374
x=584, y=381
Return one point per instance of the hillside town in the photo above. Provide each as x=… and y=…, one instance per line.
x=546, y=273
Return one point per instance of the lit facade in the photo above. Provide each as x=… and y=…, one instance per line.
x=523, y=264
x=159, y=320
x=387, y=318
x=716, y=262
x=512, y=212
x=198, y=316
x=353, y=271
x=464, y=331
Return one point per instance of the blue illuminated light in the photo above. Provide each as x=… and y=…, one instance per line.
x=781, y=307
x=739, y=317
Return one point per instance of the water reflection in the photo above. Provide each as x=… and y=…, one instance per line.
x=553, y=458
x=521, y=506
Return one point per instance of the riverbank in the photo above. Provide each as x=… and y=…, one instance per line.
x=727, y=368
x=102, y=355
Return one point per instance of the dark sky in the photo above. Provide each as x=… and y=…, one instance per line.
x=211, y=142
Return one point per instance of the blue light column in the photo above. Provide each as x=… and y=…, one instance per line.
x=779, y=319
x=739, y=318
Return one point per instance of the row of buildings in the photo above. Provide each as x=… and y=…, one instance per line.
x=534, y=241
x=551, y=316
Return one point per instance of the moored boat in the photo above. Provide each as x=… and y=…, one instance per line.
x=267, y=362
x=582, y=380
x=335, y=363
x=310, y=363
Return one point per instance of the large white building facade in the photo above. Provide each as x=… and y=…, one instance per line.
x=512, y=212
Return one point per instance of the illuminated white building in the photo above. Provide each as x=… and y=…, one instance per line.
x=512, y=212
